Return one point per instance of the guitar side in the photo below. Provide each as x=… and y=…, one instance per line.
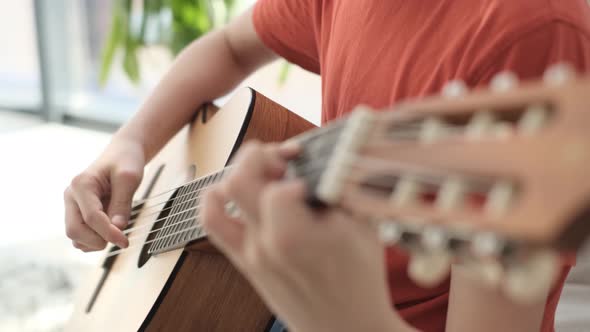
x=193, y=288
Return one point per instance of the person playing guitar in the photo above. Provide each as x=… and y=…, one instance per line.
x=372, y=52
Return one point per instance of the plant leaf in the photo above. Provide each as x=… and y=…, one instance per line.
x=284, y=73
x=110, y=47
x=130, y=63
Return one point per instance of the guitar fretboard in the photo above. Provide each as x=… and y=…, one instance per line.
x=181, y=224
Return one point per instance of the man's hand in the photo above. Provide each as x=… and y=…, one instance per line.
x=317, y=270
x=98, y=201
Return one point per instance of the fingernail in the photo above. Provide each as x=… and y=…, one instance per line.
x=290, y=148
x=119, y=221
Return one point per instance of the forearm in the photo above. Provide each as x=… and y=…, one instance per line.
x=473, y=306
x=208, y=68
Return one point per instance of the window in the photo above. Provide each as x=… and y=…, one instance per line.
x=19, y=64
x=51, y=57
x=77, y=41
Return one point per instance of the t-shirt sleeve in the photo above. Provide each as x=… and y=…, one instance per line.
x=533, y=52
x=291, y=28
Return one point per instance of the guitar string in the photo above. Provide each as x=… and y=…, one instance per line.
x=118, y=251
x=198, y=225
x=305, y=170
x=143, y=210
x=423, y=179
x=129, y=230
x=176, y=223
x=326, y=131
x=193, y=208
x=139, y=202
x=313, y=166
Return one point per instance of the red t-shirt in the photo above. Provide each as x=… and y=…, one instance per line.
x=377, y=52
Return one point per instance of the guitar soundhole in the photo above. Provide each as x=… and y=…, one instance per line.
x=144, y=256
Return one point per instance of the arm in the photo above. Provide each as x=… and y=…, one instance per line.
x=207, y=69
x=98, y=201
x=473, y=306
x=476, y=307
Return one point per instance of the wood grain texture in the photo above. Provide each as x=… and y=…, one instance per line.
x=207, y=293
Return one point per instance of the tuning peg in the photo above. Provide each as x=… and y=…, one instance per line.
x=406, y=190
x=428, y=268
x=502, y=131
x=454, y=89
x=480, y=124
x=434, y=239
x=532, y=120
x=389, y=232
x=353, y=135
x=432, y=129
x=530, y=279
x=486, y=244
x=499, y=198
x=504, y=81
x=490, y=272
x=559, y=74
x=451, y=194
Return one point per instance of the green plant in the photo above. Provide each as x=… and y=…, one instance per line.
x=173, y=23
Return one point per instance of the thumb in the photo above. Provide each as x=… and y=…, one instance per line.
x=124, y=182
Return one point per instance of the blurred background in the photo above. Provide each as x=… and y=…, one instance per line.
x=71, y=72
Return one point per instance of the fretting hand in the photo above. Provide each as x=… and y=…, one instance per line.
x=317, y=270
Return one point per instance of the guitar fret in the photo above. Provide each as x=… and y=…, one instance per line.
x=182, y=227
x=158, y=243
x=181, y=206
x=191, y=205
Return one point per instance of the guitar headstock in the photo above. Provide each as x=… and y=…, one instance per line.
x=495, y=178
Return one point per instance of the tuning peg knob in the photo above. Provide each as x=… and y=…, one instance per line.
x=480, y=125
x=389, y=232
x=486, y=244
x=527, y=281
x=488, y=271
x=452, y=194
x=406, y=191
x=428, y=268
x=559, y=74
x=504, y=81
x=500, y=197
x=434, y=239
x=454, y=89
x=533, y=119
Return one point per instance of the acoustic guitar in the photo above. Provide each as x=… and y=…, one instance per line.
x=493, y=179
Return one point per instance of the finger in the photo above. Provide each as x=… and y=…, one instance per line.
x=225, y=232
x=82, y=247
x=289, y=149
x=256, y=165
x=77, y=230
x=284, y=214
x=94, y=216
x=124, y=182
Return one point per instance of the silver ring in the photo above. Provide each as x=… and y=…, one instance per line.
x=232, y=209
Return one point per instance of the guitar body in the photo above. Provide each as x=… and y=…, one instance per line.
x=193, y=288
